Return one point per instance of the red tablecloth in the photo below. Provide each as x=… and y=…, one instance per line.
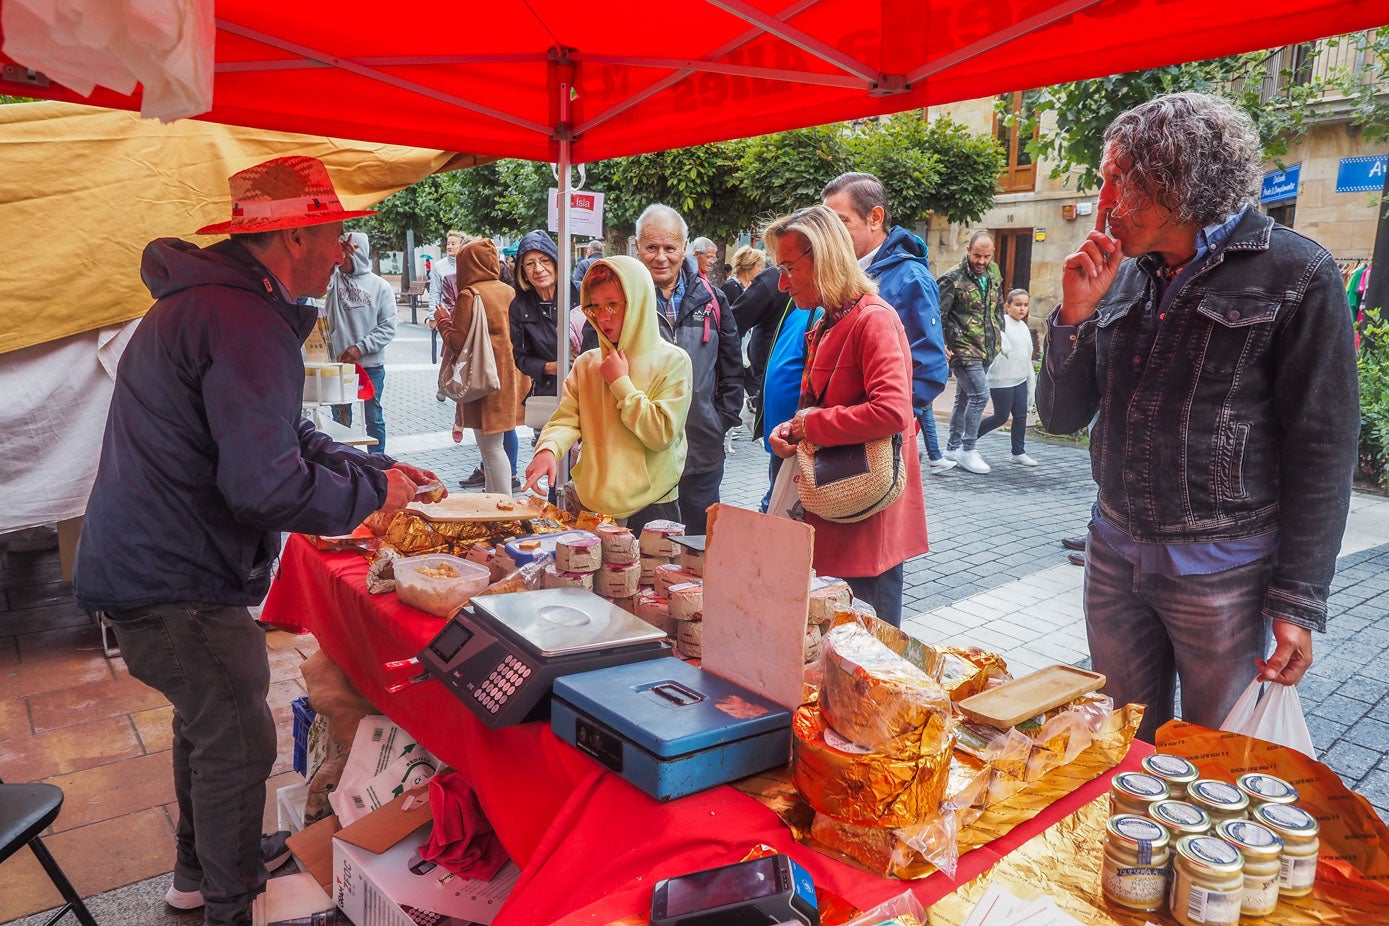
x=590, y=845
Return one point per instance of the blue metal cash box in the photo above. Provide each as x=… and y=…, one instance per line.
x=668, y=727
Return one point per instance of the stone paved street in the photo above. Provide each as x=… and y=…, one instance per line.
x=997, y=575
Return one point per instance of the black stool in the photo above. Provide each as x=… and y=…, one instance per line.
x=25, y=811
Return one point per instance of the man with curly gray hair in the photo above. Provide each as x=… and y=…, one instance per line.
x=1221, y=361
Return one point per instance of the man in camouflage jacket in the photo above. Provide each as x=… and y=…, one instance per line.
x=971, y=314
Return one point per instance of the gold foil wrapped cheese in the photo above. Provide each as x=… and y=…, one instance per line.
x=964, y=671
x=858, y=786
x=877, y=699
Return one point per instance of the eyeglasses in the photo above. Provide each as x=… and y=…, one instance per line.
x=607, y=311
x=785, y=267
x=536, y=263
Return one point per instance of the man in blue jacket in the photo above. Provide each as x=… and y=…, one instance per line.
x=896, y=259
x=205, y=460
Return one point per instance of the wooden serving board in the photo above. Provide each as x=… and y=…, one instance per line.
x=478, y=506
x=1022, y=699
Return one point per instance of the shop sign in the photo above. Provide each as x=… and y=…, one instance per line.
x=585, y=213
x=1362, y=174
x=1280, y=184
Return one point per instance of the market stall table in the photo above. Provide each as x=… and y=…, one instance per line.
x=590, y=845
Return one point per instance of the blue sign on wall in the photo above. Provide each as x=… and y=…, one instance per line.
x=1362, y=174
x=1280, y=184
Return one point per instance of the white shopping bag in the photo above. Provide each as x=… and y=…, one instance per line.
x=1275, y=716
x=786, y=497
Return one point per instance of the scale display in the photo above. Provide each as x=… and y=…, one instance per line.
x=501, y=655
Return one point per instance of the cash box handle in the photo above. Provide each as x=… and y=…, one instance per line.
x=677, y=694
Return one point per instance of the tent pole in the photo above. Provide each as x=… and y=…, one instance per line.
x=564, y=270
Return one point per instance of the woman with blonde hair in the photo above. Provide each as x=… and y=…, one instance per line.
x=748, y=262
x=856, y=387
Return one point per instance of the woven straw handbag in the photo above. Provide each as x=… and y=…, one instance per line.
x=851, y=482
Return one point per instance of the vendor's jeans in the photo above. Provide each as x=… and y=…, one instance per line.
x=697, y=492
x=928, y=431
x=210, y=662
x=495, y=466
x=971, y=395
x=1010, y=401
x=1147, y=630
x=376, y=421
x=883, y=592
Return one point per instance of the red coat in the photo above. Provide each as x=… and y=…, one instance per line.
x=864, y=368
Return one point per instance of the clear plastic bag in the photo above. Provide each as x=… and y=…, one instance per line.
x=1274, y=716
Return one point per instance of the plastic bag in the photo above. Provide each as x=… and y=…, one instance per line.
x=1274, y=717
x=786, y=497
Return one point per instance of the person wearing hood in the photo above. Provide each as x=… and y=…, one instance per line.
x=494, y=416
x=895, y=259
x=695, y=316
x=533, y=310
x=627, y=400
x=206, y=459
x=361, y=322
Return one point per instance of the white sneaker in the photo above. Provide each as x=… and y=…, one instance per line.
x=183, y=900
x=971, y=462
x=942, y=465
x=952, y=455
x=1023, y=459
x=273, y=854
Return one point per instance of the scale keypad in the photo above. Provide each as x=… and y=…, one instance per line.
x=498, y=687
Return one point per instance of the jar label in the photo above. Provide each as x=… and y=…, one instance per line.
x=1169, y=765
x=1267, y=786
x=1289, y=817
x=1215, y=908
x=1218, y=792
x=1294, y=874
x=1260, y=895
x=1139, y=829
x=1251, y=834
x=1136, y=888
x=1181, y=813
x=1215, y=851
x=1138, y=783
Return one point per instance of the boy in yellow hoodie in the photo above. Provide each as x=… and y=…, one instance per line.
x=627, y=401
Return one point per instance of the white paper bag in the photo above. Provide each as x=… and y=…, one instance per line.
x=1274, y=717
x=786, y=496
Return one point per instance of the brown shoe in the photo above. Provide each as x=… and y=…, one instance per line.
x=1077, y=559
x=1074, y=543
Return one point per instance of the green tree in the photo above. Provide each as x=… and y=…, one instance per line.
x=786, y=171
x=969, y=168
x=701, y=183
x=1366, y=86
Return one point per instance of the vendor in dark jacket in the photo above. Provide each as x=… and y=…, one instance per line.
x=696, y=317
x=206, y=459
x=1221, y=361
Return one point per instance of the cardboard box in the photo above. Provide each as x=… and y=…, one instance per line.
x=365, y=867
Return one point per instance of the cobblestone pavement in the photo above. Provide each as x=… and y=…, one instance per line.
x=997, y=575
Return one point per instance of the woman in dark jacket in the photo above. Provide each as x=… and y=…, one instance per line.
x=533, y=311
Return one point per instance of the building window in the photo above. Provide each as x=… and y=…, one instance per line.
x=1012, y=111
x=1283, y=213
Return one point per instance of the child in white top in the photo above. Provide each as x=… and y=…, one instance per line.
x=1011, y=375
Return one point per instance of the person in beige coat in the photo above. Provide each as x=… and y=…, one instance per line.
x=491, y=417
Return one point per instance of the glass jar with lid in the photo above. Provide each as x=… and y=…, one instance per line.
x=1134, y=874
x=1180, y=818
x=1262, y=850
x=1133, y=792
x=1220, y=799
x=1301, y=846
x=1176, y=771
x=1207, y=882
x=1266, y=789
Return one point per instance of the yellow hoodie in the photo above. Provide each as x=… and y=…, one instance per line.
x=634, y=429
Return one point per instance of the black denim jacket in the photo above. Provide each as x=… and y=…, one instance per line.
x=1234, y=416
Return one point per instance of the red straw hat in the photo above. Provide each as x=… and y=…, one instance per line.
x=282, y=193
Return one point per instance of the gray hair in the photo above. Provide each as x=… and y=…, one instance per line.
x=1195, y=154
x=595, y=247
x=702, y=244
x=664, y=216
x=865, y=191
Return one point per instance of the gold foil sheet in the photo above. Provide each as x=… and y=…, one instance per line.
x=878, y=700
x=866, y=788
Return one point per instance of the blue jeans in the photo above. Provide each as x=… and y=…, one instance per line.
x=928, y=431
x=376, y=422
x=773, y=467
x=513, y=449
x=210, y=661
x=971, y=395
x=883, y=592
x=1147, y=630
x=1010, y=401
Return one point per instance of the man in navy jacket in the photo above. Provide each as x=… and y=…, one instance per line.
x=206, y=459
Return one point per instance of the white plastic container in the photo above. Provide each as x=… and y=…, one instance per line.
x=437, y=583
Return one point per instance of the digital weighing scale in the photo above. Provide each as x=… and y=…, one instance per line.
x=500, y=655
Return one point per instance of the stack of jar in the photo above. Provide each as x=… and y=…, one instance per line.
x=1213, y=851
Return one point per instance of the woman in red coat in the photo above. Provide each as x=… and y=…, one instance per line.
x=857, y=387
